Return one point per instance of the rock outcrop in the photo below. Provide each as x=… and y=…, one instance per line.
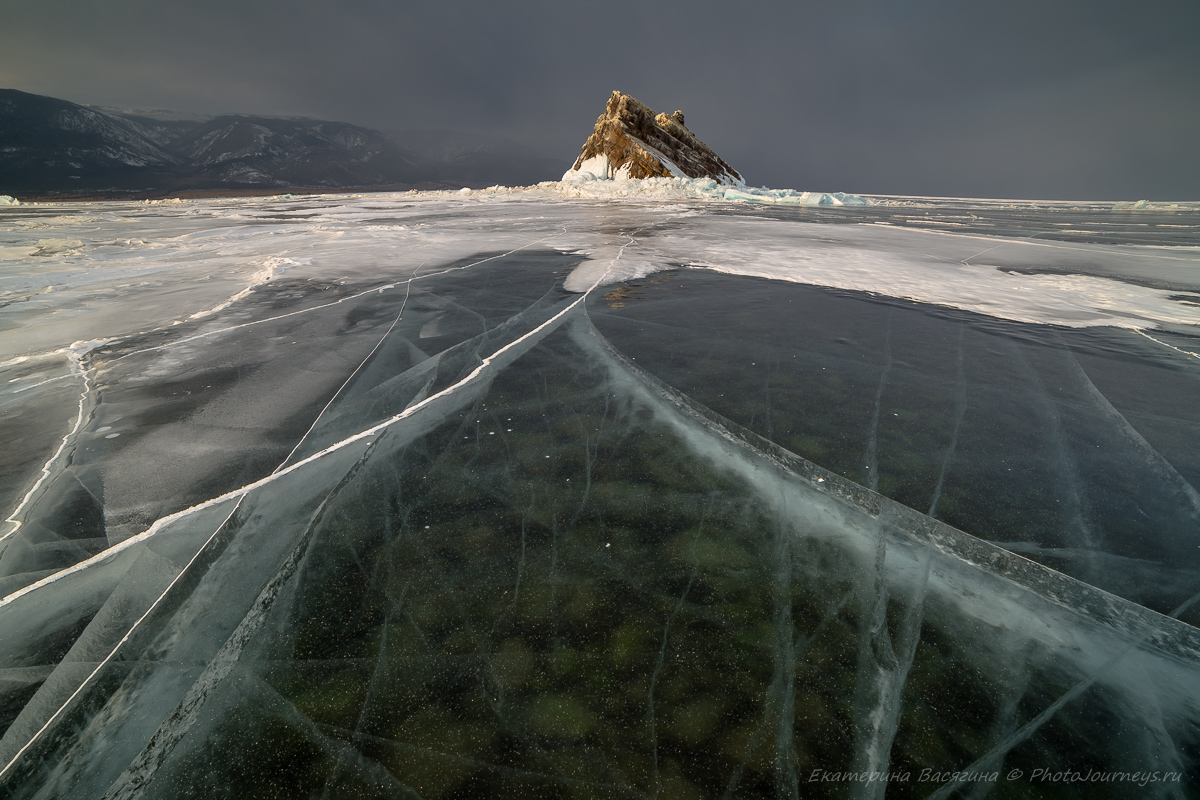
x=630, y=141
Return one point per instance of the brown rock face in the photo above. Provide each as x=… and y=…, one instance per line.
x=642, y=145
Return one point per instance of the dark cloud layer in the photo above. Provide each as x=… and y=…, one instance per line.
x=1068, y=98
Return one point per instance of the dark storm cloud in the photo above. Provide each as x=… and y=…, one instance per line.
x=1032, y=99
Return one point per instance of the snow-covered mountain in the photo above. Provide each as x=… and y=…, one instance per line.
x=291, y=152
x=50, y=142
x=630, y=141
x=55, y=147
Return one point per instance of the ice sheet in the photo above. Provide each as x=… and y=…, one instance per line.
x=513, y=491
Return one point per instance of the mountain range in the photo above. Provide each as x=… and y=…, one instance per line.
x=54, y=148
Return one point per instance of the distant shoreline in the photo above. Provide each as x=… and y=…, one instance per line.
x=131, y=195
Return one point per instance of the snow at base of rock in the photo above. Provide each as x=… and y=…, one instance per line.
x=591, y=169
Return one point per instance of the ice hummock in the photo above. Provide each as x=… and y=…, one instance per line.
x=792, y=197
x=596, y=178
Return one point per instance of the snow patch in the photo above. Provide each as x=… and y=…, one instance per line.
x=52, y=247
x=592, y=169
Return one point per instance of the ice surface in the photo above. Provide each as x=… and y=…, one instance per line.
x=602, y=488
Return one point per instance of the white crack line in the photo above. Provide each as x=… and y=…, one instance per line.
x=75, y=355
x=1164, y=344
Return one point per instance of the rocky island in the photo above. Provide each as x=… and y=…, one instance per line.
x=631, y=141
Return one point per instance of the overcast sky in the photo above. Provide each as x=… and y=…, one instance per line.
x=1070, y=99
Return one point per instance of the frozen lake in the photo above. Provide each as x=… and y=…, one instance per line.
x=562, y=493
